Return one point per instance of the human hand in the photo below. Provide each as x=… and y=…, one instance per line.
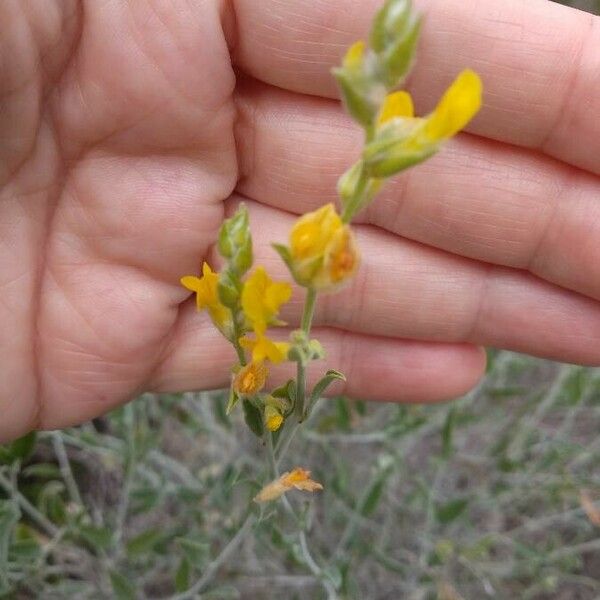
x=126, y=139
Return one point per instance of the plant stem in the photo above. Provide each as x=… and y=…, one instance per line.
x=240, y=353
x=307, y=317
x=65, y=468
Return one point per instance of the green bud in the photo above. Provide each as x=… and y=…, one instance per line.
x=389, y=20
x=235, y=241
x=357, y=96
x=398, y=59
x=394, y=39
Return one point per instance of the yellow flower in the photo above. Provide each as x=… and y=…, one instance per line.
x=207, y=297
x=402, y=140
x=322, y=252
x=264, y=348
x=273, y=418
x=251, y=378
x=298, y=479
x=262, y=298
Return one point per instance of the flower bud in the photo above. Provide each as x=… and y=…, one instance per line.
x=322, y=253
x=235, y=241
x=394, y=38
x=359, y=84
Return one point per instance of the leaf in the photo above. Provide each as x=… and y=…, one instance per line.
x=449, y=511
x=121, y=586
x=325, y=382
x=100, y=538
x=20, y=449
x=253, y=417
x=42, y=470
x=373, y=497
x=143, y=543
x=447, y=432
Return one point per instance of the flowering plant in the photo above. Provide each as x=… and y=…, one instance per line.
x=322, y=254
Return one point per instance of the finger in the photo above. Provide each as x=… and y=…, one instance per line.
x=377, y=368
x=406, y=290
x=539, y=61
x=477, y=198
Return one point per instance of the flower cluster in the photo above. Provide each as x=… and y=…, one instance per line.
x=322, y=253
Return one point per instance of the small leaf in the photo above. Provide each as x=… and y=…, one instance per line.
x=449, y=511
x=143, y=543
x=20, y=449
x=42, y=470
x=253, y=418
x=325, y=382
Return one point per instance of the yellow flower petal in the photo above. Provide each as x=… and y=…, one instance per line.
x=263, y=348
x=190, y=282
x=312, y=232
x=251, y=378
x=262, y=298
x=397, y=104
x=458, y=106
x=207, y=297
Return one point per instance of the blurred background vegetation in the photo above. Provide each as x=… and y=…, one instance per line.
x=496, y=495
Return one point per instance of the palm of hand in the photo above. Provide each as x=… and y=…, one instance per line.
x=114, y=191
x=125, y=137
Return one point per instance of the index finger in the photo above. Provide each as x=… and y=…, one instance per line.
x=539, y=61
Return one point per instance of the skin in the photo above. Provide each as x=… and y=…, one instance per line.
x=130, y=129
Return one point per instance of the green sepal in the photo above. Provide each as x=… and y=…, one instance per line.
x=229, y=289
x=317, y=352
x=356, y=190
x=253, y=417
x=395, y=162
x=285, y=254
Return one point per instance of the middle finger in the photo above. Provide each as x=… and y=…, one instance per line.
x=477, y=198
